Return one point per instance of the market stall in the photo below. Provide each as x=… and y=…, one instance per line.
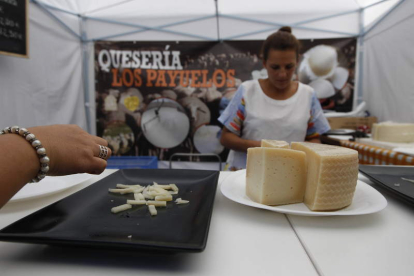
x=151, y=78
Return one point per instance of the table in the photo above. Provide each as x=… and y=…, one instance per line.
x=369, y=154
x=376, y=244
x=242, y=241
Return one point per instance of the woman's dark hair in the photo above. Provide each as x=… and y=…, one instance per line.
x=282, y=40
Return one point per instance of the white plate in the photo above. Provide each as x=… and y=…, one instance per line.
x=341, y=137
x=50, y=185
x=340, y=131
x=366, y=200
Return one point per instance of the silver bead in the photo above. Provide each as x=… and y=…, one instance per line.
x=36, y=143
x=41, y=150
x=44, y=160
x=30, y=137
x=14, y=128
x=22, y=130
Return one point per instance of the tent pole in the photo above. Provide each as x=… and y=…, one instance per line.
x=360, y=58
x=374, y=4
x=338, y=14
x=45, y=9
x=146, y=28
x=272, y=29
x=324, y=17
x=218, y=21
x=278, y=24
x=107, y=7
x=139, y=31
x=50, y=7
x=85, y=73
x=383, y=17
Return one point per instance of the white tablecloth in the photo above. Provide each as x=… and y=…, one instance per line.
x=242, y=241
x=375, y=244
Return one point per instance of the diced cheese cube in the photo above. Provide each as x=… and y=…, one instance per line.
x=152, y=210
x=332, y=174
x=274, y=144
x=121, y=208
x=275, y=176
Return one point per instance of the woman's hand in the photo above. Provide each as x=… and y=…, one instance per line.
x=71, y=150
x=234, y=142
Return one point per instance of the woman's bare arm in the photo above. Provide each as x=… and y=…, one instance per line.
x=234, y=142
x=314, y=140
x=19, y=164
x=70, y=149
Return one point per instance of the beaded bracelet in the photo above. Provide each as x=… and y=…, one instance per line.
x=40, y=150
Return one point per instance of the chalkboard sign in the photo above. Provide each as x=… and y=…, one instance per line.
x=14, y=28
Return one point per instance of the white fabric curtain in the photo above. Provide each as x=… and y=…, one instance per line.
x=47, y=88
x=388, y=82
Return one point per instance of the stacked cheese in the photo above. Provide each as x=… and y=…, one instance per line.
x=274, y=144
x=332, y=175
x=393, y=132
x=324, y=177
x=275, y=176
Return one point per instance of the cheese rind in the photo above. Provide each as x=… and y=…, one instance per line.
x=274, y=144
x=332, y=174
x=275, y=176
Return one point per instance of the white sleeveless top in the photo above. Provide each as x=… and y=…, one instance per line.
x=253, y=115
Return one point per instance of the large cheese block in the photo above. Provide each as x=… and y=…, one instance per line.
x=332, y=174
x=393, y=132
x=274, y=144
x=275, y=176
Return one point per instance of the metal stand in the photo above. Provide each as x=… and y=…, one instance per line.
x=196, y=155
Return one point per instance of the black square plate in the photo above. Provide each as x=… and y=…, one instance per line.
x=391, y=178
x=85, y=218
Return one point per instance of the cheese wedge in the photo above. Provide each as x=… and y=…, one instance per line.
x=332, y=174
x=274, y=144
x=275, y=176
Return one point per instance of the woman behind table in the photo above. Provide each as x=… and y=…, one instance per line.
x=276, y=108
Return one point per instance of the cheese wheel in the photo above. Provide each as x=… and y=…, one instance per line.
x=332, y=174
x=393, y=132
x=274, y=144
x=275, y=176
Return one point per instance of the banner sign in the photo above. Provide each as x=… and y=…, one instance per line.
x=161, y=98
x=13, y=28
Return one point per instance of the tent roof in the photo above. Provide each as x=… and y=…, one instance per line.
x=164, y=8
x=237, y=19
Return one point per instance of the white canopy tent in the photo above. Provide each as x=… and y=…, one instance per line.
x=56, y=85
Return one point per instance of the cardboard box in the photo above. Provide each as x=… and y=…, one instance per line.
x=351, y=122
